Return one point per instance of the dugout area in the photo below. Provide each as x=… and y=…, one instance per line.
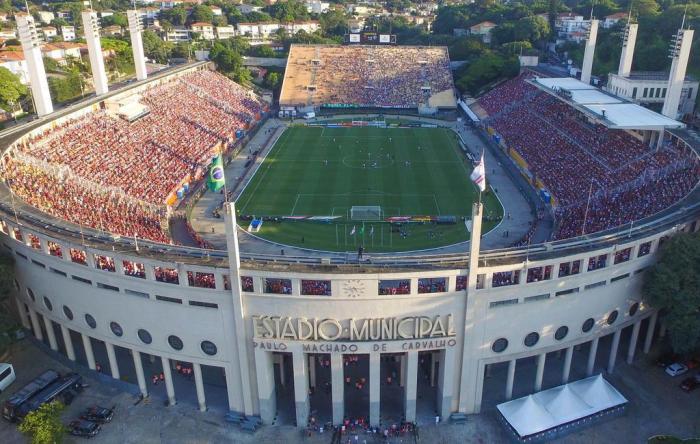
x=385, y=189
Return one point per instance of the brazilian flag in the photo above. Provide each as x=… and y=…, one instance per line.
x=216, y=180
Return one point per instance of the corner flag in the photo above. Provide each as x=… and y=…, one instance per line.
x=478, y=176
x=216, y=179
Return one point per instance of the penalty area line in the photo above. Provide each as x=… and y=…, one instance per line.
x=295, y=204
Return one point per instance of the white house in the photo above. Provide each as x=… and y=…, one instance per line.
x=612, y=19
x=8, y=33
x=483, y=30
x=266, y=29
x=178, y=34
x=571, y=27
x=205, y=30
x=317, y=6
x=14, y=61
x=68, y=33
x=45, y=16
x=247, y=9
x=225, y=32
x=216, y=10
x=49, y=32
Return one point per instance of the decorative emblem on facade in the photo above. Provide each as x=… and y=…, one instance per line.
x=353, y=288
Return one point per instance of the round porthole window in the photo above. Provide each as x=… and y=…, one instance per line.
x=208, y=348
x=531, y=339
x=175, y=342
x=499, y=345
x=48, y=303
x=634, y=308
x=90, y=321
x=67, y=311
x=144, y=336
x=587, y=325
x=116, y=328
x=561, y=332
x=612, y=317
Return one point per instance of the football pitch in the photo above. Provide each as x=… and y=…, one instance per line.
x=315, y=171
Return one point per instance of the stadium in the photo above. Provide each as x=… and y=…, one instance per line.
x=127, y=263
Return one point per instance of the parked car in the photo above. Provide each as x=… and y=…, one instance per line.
x=98, y=414
x=676, y=369
x=690, y=384
x=7, y=375
x=667, y=359
x=86, y=429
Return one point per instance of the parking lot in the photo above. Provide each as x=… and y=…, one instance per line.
x=656, y=406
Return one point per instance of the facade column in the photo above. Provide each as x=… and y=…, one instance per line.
x=402, y=375
x=169, y=388
x=567, y=364
x=70, y=351
x=199, y=385
x=541, y=358
x=633, y=342
x=138, y=366
x=89, y=355
x=446, y=382
x=411, y=387
x=650, y=332
x=48, y=323
x=280, y=363
x=591, y=356
x=301, y=388
x=312, y=371
x=112, y=357
x=613, y=350
x=35, y=324
x=374, y=388
x=22, y=312
x=267, y=399
x=510, y=379
x=433, y=365
x=337, y=388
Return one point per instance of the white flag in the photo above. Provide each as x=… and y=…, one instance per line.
x=352, y=232
x=478, y=176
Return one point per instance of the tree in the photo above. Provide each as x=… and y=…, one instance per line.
x=334, y=22
x=273, y=79
x=155, y=48
x=673, y=286
x=43, y=426
x=11, y=90
x=7, y=322
x=226, y=59
x=289, y=11
x=201, y=13
x=645, y=8
x=177, y=15
x=485, y=70
x=117, y=18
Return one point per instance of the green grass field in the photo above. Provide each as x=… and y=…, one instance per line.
x=326, y=171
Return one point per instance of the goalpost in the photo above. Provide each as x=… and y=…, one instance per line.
x=366, y=212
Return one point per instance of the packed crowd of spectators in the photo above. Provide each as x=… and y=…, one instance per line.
x=201, y=280
x=402, y=286
x=315, y=288
x=278, y=286
x=572, y=156
x=78, y=256
x=99, y=164
x=168, y=275
x=381, y=76
x=432, y=285
x=247, y=284
x=134, y=269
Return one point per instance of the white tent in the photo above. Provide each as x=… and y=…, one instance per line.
x=560, y=406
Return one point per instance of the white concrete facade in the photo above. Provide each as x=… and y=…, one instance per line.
x=679, y=64
x=35, y=64
x=629, y=39
x=97, y=63
x=587, y=65
x=135, y=31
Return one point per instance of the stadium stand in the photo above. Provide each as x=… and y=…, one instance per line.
x=368, y=76
x=571, y=155
x=103, y=172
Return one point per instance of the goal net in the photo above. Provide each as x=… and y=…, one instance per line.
x=366, y=212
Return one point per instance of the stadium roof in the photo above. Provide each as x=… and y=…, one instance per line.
x=609, y=110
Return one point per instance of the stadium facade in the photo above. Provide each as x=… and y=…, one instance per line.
x=75, y=291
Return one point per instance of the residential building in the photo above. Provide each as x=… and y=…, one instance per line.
x=178, y=34
x=49, y=32
x=205, y=30
x=112, y=31
x=317, y=6
x=483, y=30
x=648, y=88
x=14, y=61
x=45, y=17
x=571, y=27
x=247, y=9
x=68, y=33
x=8, y=33
x=225, y=32
x=612, y=19
x=216, y=10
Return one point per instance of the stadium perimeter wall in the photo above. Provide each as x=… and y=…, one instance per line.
x=475, y=319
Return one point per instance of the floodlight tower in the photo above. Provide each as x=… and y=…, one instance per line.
x=97, y=63
x=31, y=45
x=629, y=38
x=135, y=30
x=590, y=50
x=679, y=54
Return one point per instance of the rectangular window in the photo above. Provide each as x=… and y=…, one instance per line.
x=167, y=275
x=594, y=285
x=395, y=286
x=641, y=270
x=54, y=249
x=107, y=287
x=201, y=280
x=502, y=303
x=78, y=256
x=565, y=292
x=570, y=268
x=663, y=93
x=537, y=274
x=167, y=299
x=315, y=288
x=59, y=272
x=203, y=304
x=480, y=281
x=247, y=284
x=619, y=278
x=278, y=286
x=644, y=94
x=136, y=293
x=622, y=255
x=227, y=282
x=34, y=242
x=690, y=93
x=134, y=269
x=597, y=262
x=461, y=283
x=21, y=255
x=105, y=263
x=662, y=241
x=432, y=285
x=35, y=262
x=18, y=234
x=505, y=278
x=538, y=297
x=83, y=280
x=634, y=92
x=644, y=249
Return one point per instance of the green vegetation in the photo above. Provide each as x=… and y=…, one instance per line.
x=43, y=426
x=11, y=90
x=673, y=285
x=326, y=171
